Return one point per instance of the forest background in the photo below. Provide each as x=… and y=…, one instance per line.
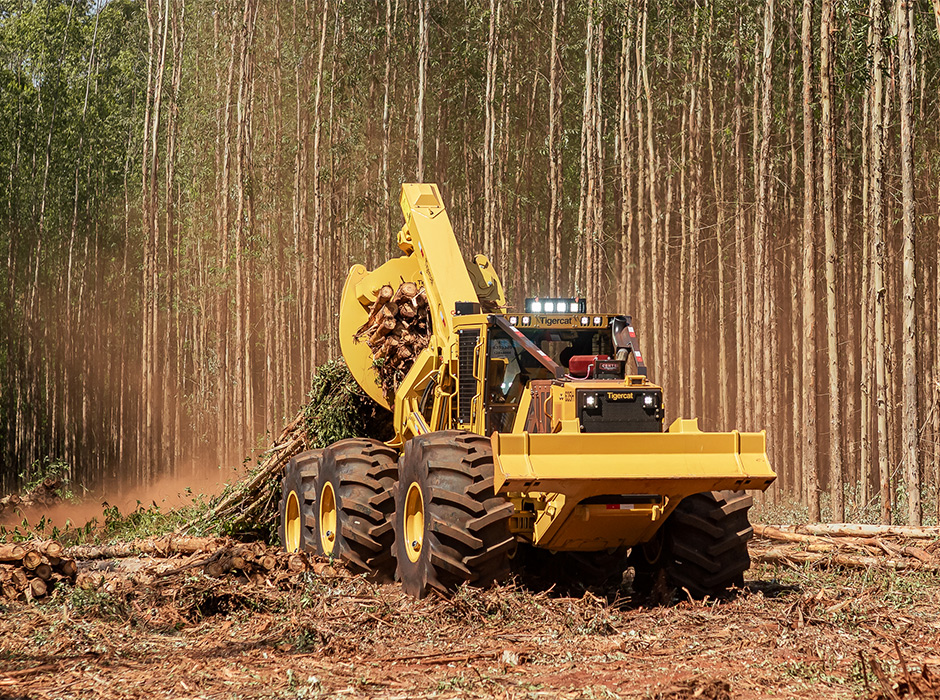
x=183, y=185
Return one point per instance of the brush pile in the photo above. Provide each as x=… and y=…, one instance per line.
x=337, y=408
x=31, y=570
x=849, y=546
x=397, y=330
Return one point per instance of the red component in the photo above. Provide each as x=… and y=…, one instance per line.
x=582, y=366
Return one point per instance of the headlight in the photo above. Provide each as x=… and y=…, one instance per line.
x=536, y=307
x=584, y=320
x=514, y=320
x=590, y=400
x=562, y=307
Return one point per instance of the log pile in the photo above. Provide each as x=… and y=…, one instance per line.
x=31, y=570
x=849, y=546
x=47, y=492
x=252, y=563
x=398, y=328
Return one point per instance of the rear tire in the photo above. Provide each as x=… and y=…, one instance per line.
x=450, y=525
x=704, y=547
x=297, y=520
x=355, y=487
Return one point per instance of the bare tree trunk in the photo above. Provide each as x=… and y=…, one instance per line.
x=585, y=200
x=316, y=272
x=878, y=248
x=422, y=69
x=489, y=136
x=835, y=422
x=908, y=333
x=764, y=264
x=386, y=124
x=795, y=443
x=554, y=160
x=742, y=318
x=867, y=367
x=810, y=474
x=626, y=162
x=654, y=207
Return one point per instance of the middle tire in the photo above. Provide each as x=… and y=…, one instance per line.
x=354, y=505
x=450, y=525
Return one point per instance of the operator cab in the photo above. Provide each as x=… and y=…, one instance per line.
x=596, y=355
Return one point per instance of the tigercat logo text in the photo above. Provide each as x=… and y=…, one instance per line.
x=621, y=396
x=554, y=321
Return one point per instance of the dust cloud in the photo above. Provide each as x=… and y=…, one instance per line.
x=200, y=483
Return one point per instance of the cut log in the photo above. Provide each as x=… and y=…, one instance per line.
x=159, y=547
x=11, y=552
x=67, y=567
x=407, y=291
x=382, y=329
x=859, y=530
x=407, y=312
x=51, y=548
x=43, y=571
x=37, y=588
x=783, y=555
x=32, y=559
x=89, y=580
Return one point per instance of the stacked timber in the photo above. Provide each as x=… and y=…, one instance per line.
x=399, y=327
x=253, y=562
x=31, y=570
x=46, y=493
x=847, y=545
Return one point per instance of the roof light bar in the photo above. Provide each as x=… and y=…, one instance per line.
x=556, y=306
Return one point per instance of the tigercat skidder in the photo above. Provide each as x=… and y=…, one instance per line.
x=515, y=432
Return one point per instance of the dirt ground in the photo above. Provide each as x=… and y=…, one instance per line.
x=790, y=633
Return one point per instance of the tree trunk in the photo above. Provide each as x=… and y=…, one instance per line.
x=422, y=69
x=908, y=333
x=810, y=474
x=878, y=250
x=829, y=224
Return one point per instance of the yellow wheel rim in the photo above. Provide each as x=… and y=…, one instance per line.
x=414, y=522
x=327, y=518
x=292, y=523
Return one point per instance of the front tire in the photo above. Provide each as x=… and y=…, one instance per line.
x=701, y=548
x=450, y=525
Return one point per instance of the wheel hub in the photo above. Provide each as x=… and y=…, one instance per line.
x=414, y=522
x=327, y=518
x=292, y=522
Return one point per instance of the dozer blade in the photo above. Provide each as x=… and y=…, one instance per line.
x=602, y=490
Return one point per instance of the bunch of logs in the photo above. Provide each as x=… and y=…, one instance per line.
x=31, y=570
x=247, y=563
x=46, y=493
x=848, y=545
x=252, y=561
x=397, y=330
